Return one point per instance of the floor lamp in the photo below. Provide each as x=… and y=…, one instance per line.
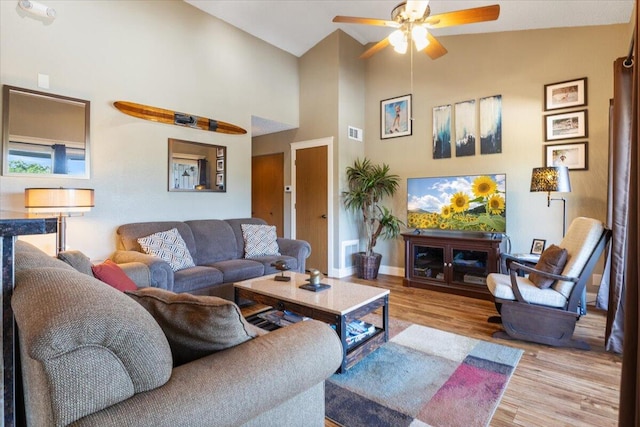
x=553, y=178
x=60, y=201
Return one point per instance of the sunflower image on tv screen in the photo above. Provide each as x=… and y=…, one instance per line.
x=469, y=202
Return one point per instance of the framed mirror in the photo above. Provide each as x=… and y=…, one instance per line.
x=194, y=166
x=44, y=134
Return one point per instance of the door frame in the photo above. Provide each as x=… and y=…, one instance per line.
x=328, y=142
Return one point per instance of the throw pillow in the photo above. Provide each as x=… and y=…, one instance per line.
x=169, y=246
x=552, y=260
x=77, y=260
x=195, y=325
x=114, y=276
x=259, y=240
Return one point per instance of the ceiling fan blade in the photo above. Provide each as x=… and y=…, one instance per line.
x=365, y=21
x=435, y=50
x=375, y=48
x=465, y=16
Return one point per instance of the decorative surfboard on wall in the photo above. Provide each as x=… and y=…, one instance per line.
x=169, y=117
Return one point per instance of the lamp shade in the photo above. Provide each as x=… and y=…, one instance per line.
x=58, y=200
x=554, y=178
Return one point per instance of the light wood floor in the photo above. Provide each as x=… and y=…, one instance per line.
x=551, y=386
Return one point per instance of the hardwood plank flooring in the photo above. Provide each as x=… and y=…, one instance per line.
x=551, y=386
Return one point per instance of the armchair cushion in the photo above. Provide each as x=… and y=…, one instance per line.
x=195, y=326
x=259, y=240
x=110, y=273
x=552, y=260
x=169, y=246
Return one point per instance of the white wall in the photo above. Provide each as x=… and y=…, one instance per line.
x=161, y=53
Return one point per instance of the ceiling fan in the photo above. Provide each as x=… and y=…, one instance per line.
x=413, y=20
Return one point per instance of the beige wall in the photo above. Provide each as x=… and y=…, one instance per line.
x=516, y=65
x=332, y=95
x=161, y=53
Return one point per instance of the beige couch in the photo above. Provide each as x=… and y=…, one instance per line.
x=92, y=356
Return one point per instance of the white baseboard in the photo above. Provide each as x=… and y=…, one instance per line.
x=384, y=269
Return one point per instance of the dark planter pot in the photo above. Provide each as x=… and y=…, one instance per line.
x=367, y=266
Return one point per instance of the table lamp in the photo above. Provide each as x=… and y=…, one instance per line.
x=61, y=201
x=553, y=178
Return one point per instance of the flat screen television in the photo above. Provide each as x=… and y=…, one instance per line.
x=463, y=203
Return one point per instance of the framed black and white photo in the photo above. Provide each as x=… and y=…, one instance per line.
x=572, y=93
x=565, y=126
x=573, y=156
x=395, y=117
x=537, y=247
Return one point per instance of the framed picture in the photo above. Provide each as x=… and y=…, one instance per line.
x=537, y=246
x=465, y=125
x=219, y=179
x=574, y=155
x=572, y=93
x=491, y=124
x=220, y=152
x=442, y=132
x=565, y=126
x=220, y=165
x=395, y=117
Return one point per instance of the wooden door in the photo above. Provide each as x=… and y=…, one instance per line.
x=267, y=189
x=311, y=204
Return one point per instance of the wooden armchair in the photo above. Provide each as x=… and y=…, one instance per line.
x=549, y=315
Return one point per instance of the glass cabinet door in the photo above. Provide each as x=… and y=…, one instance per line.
x=428, y=262
x=469, y=267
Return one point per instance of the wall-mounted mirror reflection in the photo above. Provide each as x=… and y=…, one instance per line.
x=194, y=166
x=44, y=134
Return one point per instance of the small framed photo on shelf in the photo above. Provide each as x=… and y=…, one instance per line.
x=537, y=246
x=565, y=126
x=220, y=165
x=573, y=156
x=220, y=152
x=572, y=93
x=395, y=117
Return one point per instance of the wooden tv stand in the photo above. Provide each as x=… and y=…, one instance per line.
x=454, y=262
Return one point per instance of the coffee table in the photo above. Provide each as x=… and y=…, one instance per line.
x=338, y=305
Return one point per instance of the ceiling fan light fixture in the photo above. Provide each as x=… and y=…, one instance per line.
x=419, y=36
x=397, y=38
x=401, y=47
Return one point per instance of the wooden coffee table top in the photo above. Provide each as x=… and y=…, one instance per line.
x=341, y=298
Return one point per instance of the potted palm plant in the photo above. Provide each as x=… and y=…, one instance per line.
x=368, y=185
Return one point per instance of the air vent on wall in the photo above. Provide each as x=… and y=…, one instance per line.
x=355, y=133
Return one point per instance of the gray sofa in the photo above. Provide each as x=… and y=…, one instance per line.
x=217, y=248
x=93, y=356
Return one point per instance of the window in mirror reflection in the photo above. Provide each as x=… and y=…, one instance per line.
x=45, y=134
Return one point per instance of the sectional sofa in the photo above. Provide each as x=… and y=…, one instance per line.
x=217, y=248
x=92, y=355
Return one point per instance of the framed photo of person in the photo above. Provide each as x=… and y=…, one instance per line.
x=395, y=117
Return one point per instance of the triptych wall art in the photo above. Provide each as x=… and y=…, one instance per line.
x=566, y=125
x=462, y=119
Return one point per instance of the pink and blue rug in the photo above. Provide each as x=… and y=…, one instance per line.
x=423, y=377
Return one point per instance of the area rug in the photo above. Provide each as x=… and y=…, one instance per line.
x=423, y=377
